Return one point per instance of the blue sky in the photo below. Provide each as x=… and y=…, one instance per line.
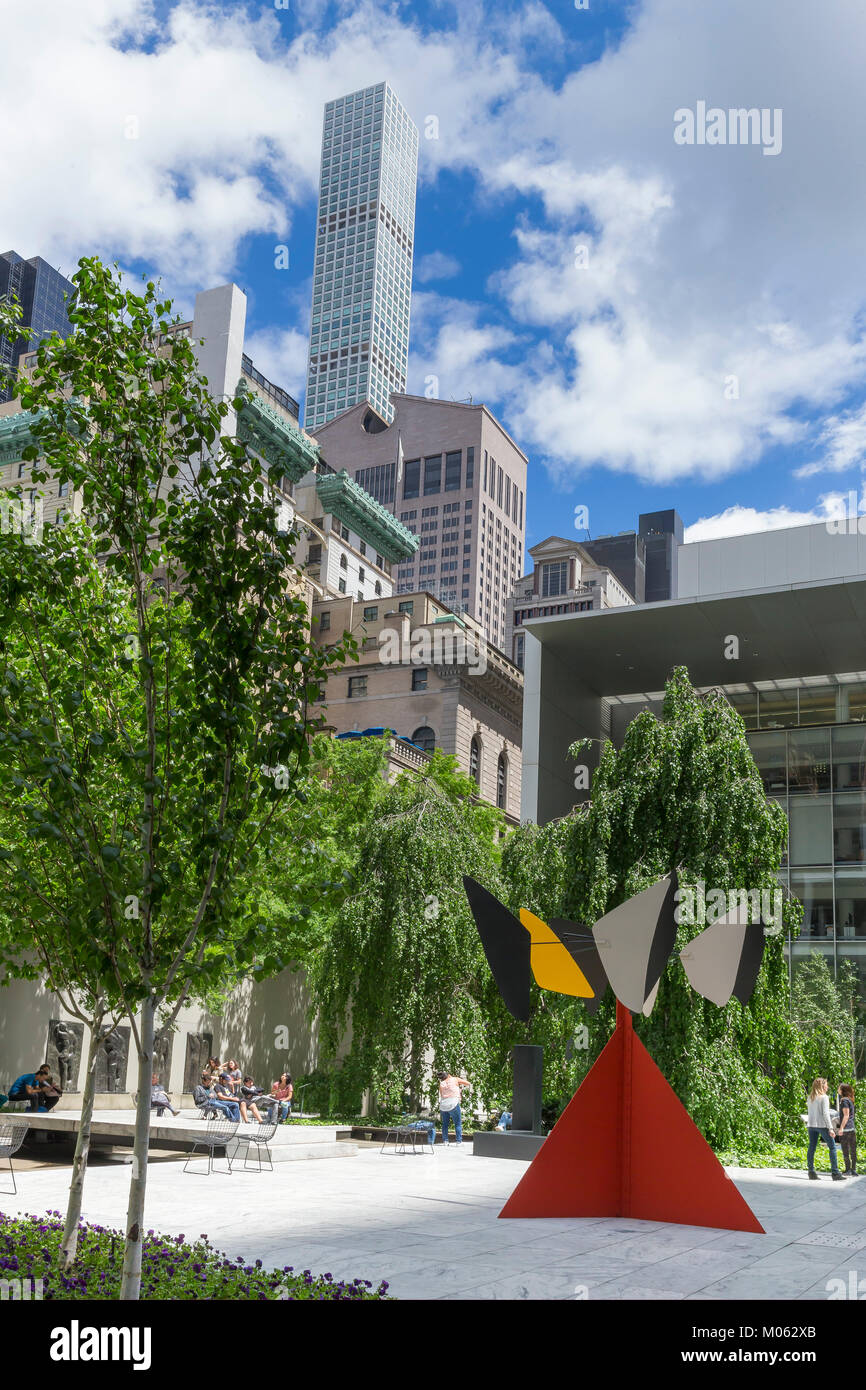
x=658, y=324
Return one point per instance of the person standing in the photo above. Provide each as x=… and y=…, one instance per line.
x=847, y=1128
x=821, y=1126
x=450, y=1091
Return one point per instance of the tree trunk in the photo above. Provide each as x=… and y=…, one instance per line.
x=69, y=1245
x=131, y=1284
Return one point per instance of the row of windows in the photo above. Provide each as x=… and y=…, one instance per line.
x=358, y=684
x=505, y=493
x=475, y=757
x=433, y=478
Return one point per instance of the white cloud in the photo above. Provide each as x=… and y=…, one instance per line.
x=744, y=521
x=705, y=263
x=281, y=355
x=843, y=440
x=435, y=266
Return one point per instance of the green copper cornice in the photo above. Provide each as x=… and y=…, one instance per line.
x=275, y=438
x=347, y=500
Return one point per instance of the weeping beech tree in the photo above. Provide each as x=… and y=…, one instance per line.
x=683, y=792
x=403, y=967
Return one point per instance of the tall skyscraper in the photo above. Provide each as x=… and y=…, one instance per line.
x=40, y=289
x=362, y=281
x=453, y=475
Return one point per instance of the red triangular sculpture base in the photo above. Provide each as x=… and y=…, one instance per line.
x=626, y=1146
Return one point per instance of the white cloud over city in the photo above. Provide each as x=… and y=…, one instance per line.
x=717, y=310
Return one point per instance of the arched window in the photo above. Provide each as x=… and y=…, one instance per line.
x=501, y=781
x=425, y=738
x=475, y=761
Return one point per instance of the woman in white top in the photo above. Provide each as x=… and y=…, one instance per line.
x=820, y=1124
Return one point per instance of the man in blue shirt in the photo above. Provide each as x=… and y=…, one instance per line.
x=32, y=1086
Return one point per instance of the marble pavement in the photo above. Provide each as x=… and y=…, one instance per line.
x=428, y=1224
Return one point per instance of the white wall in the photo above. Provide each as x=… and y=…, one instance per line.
x=246, y=1029
x=768, y=559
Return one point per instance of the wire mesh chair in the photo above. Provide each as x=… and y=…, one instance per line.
x=414, y=1132
x=11, y=1139
x=217, y=1134
x=260, y=1140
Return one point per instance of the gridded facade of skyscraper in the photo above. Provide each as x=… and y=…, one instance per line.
x=362, y=282
x=41, y=291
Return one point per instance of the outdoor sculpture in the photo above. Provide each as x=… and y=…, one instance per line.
x=64, y=1051
x=625, y=1145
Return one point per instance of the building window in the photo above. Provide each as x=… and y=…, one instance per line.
x=314, y=554
x=554, y=579
x=344, y=563
x=419, y=678
x=453, y=470
x=411, y=478
x=341, y=585
x=475, y=761
x=344, y=532
x=22, y=469
x=432, y=475
x=370, y=615
x=324, y=622
x=378, y=589
x=501, y=782
x=407, y=606
x=425, y=738
x=357, y=686
x=518, y=650
x=470, y=466
x=63, y=490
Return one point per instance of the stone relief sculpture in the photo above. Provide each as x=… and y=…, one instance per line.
x=111, y=1062
x=162, y=1049
x=198, y=1050
x=63, y=1053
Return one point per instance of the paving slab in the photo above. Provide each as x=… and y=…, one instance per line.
x=433, y=1232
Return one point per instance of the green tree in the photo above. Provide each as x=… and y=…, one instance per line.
x=216, y=735
x=822, y=1010
x=402, y=965
x=683, y=792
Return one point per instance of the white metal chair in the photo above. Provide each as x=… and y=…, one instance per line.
x=217, y=1134
x=260, y=1140
x=11, y=1139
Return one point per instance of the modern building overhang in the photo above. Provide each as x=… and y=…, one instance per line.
x=782, y=633
x=348, y=502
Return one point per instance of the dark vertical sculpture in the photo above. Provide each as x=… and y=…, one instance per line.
x=526, y=1112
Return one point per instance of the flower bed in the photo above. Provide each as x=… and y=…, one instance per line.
x=171, y=1267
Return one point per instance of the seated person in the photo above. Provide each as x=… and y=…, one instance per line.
x=224, y=1091
x=283, y=1090
x=425, y=1124
x=210, y=1103
x=249, y=1094
x=37, y=1088
x=233, y=1072
x=159, y=1101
